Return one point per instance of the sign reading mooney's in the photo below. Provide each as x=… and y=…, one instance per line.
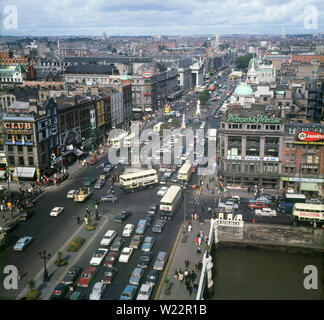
x=252, y=119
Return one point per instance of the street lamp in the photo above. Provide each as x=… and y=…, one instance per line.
x=45, y=257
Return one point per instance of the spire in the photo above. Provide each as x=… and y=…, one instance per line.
x=183, y=125
x=198, y=108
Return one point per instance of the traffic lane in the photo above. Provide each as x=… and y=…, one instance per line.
x=164, y=242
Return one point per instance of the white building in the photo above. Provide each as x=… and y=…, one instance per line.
x=117, y=112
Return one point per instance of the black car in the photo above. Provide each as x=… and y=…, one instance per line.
x=145, y=259
x=149, y=219
x=159, y=225
x=88, y=182
x=25, y=215
x=123, y=216
x=152, y=209
x=9, y=227
x=117, y=244
x=59, y=292
x=152, y=277
x=71, y=275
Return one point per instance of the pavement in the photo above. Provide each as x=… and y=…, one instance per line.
x=180, y=252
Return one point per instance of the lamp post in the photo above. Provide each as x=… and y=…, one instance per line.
x=45, y=257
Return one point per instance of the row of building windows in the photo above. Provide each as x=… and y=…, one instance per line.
x=21, y=161
x=251, y=126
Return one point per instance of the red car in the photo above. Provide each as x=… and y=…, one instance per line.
x=94, y=161
x=86, y=277
x=257, y=205
x=111, y=259
x=109, y=275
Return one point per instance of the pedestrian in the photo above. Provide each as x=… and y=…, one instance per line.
x=206, y=238
x=78, y=219
x=198, y=251
x=187, y=263
x=176, y=274
x=192, y=216
x=180, y=277
x=196, y=241
x=190, y=289
x=187, y=285
x=71, y=289
x=199, y=241
x=193, y=275
x=195, y=287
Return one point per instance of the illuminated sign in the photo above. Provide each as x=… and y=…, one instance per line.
x=310, y=136
x=17, y=125
x=253, y=119
x=147, y=74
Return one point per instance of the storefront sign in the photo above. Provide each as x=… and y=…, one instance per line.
x=234, y=158
x=318, y=143
x=147, y=74
x=252, y=158
x=292, y=179
x=252, y=119
x=17, y=125
x=310, y=136
x=270, y=159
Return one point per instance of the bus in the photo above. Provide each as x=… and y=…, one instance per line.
x=286, y=203
x=116, y=142
x=138, y=180
x=307, y=213
x=185, y=172
x=170, y=202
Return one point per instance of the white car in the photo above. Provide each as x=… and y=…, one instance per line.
x=145, y=292
x=97, y=291
x=128, y=230
x=109, y=236
x=125, y=254
x=162, y=191
x=71, y=193
x=266, y=212
x=98, y=257
x=56, y=211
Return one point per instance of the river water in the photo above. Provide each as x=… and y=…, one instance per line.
x=257, y=274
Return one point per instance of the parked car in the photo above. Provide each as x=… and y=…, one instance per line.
x=97, y=291
x=136, y=241
x=145, y=259
x=99, y=184
x=153, y=209
x=117, y=244
x=149, y=219
x=125, y=255
x=71, y=193
x=314, y=201
x=56, y=211
x=145, y=292
x=98, y=257
x=8, y=227
x=108, y=168
x=136, y=276
x=110, y=259
x=152, y=277
x=159, y=225
x=162, y=191
x=129, y=292
x=71, y=275
x=127, y=232
x=25, y=215
x=121, y=217
x=160, y=261
x=109, y=274
x=258, y=205
x=86, y=277
x=59, y=292
x=148, y=243
x=23, y=243
x=141, y=227
x=109, y=198
x=109, y=236
x=163, y=180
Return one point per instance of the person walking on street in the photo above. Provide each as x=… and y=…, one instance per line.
x=190, y=289
x=196, y=241
x=187, y=263
x=199, y=241
x=78, y=219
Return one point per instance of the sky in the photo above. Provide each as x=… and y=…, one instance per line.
x=164, y=17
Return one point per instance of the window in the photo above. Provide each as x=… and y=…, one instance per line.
x=10, y=148
x=31, y=161
x=30, y=149
x=21, y=161
x=20, y=149
x=11, y=160
x=316, y=159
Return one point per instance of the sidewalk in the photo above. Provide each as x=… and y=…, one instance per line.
x=182, y=251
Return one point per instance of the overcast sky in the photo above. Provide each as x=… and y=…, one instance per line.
x=173, y=17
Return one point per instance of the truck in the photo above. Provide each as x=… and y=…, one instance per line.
x=82, y=195
x=265, y=212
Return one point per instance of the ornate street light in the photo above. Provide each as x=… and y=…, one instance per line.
x=45, y=257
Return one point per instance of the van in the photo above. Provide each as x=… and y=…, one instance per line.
x=108, y=238
x=160, y=261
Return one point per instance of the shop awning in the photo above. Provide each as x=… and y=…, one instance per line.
x=78, y=152
x=24, y=172
x=309, y=186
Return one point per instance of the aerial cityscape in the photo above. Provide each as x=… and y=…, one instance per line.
x=162, y=151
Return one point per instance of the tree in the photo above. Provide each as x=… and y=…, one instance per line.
x=204, y=97
x=114, y=50
x=242, y=62
x=205, y=44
